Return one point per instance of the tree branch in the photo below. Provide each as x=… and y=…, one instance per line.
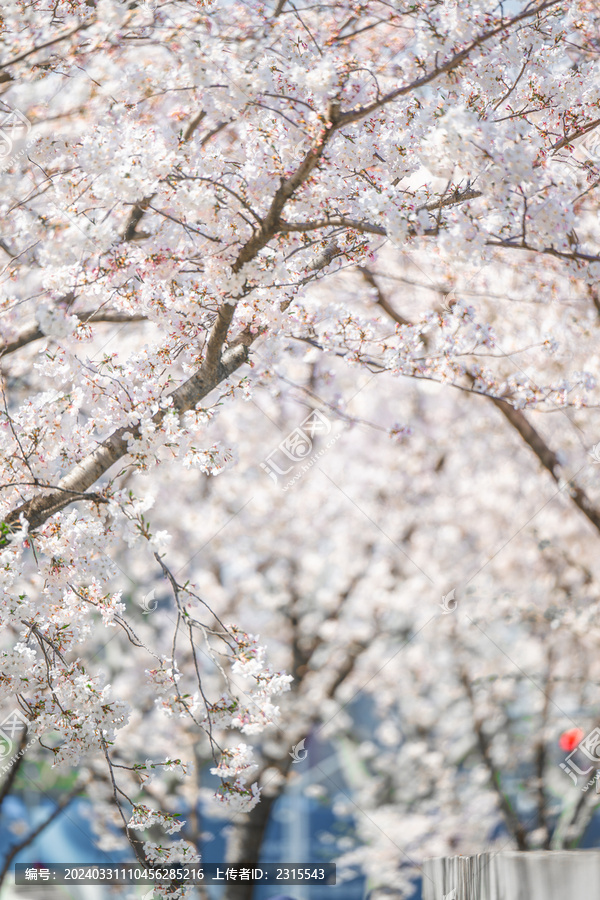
x=56, y=40
x=14, y=769
x=381, y=298
x=511, y=819
x=83, y=475
x=16, y=848
x=34, y=333
x=519, y=422
x=453, y=63
x=547, y=457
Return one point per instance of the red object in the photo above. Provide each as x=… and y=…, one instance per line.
x=570, y=739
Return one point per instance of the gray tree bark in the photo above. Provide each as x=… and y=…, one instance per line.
x=244, y=845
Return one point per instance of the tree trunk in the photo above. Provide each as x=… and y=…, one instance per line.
x=244, y=846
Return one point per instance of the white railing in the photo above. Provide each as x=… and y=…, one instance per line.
x=514, y=875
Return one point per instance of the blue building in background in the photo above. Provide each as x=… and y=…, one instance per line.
x=298, y=831
x=303, y=827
